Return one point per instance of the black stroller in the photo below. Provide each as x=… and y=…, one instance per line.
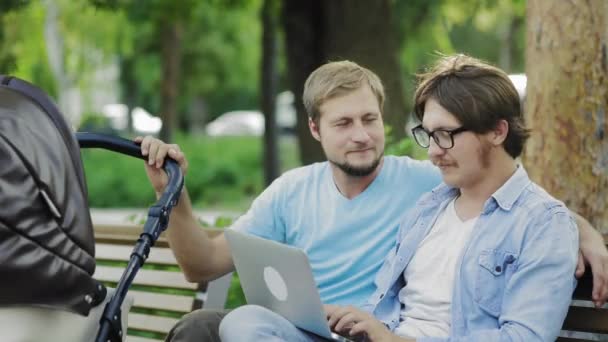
x=47, y=250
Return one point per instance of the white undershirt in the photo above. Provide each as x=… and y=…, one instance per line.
x=427, y=296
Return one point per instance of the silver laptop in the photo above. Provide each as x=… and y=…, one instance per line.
x=278, y=277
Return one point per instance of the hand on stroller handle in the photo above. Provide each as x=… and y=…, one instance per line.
x=156, y=223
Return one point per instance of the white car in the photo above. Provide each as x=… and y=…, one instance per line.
x=143, y=122
x=240, y=122
x=251, y=122
x=519, y=81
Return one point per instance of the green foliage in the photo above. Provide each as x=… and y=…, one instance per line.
x=220, y=52
x=24, y=40
x=236, y=297
x=223, y=172
x=95, y=122
x=10, y=5
x=91, y=38
x=401, y=147
x=476, y=27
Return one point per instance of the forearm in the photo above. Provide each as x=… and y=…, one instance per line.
x=585, y=230
x=194, y=250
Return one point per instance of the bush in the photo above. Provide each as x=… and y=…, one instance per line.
x=224, y=172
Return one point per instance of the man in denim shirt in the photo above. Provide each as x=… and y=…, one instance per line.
x=501, y=267
x=486, y=256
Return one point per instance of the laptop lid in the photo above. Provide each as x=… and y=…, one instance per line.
x=278, y=277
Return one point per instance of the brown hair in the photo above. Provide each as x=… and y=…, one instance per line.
x=336, y=79
x=478, y=94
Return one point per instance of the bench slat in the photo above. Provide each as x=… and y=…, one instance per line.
x=162, y=256
x=127, y=234
x=162, y=301
x=586, y=320
x=140, y=339
x=151, y=323
x=146, y=277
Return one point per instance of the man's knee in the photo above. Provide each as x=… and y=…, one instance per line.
x=199, y=325
x=249, y=321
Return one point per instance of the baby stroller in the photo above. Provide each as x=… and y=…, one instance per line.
x=47, y=250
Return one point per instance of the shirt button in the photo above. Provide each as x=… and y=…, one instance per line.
x=381, y=295
x=498, y=269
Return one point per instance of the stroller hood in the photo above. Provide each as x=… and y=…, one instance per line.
x=47, y=250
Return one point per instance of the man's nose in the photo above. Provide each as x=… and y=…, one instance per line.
x=360, y=134
x=434, y=149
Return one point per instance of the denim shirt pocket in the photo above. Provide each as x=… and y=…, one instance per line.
x=494, y=270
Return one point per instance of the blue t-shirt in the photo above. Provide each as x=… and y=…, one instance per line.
x=346, y=240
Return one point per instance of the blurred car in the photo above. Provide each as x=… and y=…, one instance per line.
x=251, y=122
x=143, y=121
x=240, y=122
x=519, y=81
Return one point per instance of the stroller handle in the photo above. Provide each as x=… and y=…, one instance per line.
x=158, y=217
x=131, y=148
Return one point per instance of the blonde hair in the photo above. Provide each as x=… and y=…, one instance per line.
x=336, y=79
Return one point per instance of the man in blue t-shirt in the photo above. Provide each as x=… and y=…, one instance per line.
x=344, y=213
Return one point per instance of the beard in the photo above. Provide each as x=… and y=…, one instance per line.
x=358, y=171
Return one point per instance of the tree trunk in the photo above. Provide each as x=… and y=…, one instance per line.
x=303, y=30
x=268, y=89
x=566, y=103
x=362, y=31
x=7, y=60
x=171, y=42
x=129, y=89
x=68, y=95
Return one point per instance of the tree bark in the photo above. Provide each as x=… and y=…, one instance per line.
x=68, y=96
x=362, y=31
x=303, y=27
x=268, y=90
x=171, y=44
x=129, y=89
x=566, y=103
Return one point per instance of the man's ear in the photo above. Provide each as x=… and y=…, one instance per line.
x=314, y=129
x=500, y=132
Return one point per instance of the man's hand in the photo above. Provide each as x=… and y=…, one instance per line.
x=594, y=253
x=352, y=321
x=156, y=151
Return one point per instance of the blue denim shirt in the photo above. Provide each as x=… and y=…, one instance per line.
x=515, y=276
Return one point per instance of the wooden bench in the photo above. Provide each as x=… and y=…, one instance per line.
x=162, y=295
x=160, y=291
x=584, y=322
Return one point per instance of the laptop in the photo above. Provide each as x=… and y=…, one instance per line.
x=279, y=278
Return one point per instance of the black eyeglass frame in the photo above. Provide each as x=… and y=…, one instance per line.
x=450, y=132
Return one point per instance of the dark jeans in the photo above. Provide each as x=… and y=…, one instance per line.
x=197, y=326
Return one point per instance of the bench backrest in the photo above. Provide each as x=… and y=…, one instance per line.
x=584, y=320
x=162, y=295
x=160, y=291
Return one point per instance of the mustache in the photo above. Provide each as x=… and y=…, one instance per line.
x=361, y=148
x=442, y=162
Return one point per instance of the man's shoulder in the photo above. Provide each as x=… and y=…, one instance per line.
x=411, y=172
x=536, y=197
x=405, y=163
x=305, y=172
x=302, y=176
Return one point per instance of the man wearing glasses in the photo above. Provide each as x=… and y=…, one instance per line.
x=345, y=212
x=486, y=256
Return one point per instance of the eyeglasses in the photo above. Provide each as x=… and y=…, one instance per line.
x=444, y=138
